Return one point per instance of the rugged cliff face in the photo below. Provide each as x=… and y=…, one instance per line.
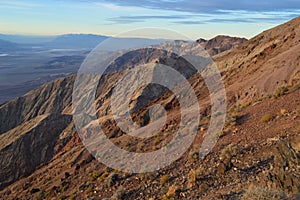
x=41, y=156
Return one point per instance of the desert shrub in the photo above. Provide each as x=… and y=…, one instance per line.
x=200, y=172
x=261, y=193
x=281, y=91
x=62, y=198
x=229, y=152
x=72, y=197
x=103, y=176
x=295, y=88
x=171, y=194
x=193, y=155
x=119, y=194
x=246, y=104
x=164, y=179
x=148, y=177
x=94, y=175
x=283, y=111
x=111, y=179
x=266, y=118
x=222, y=133
x=157, y=139
x=64, y=188
x=231, y=119
x=235, y=109
x=192, y=178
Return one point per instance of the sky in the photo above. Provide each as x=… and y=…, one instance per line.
x=192, y=18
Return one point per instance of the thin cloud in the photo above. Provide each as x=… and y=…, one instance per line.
x=118, y=20
x=20, y=4
x=225, y=17
x=190, y=22
x=191, y=12
x=155, y=17
x=143, y=18
x=211, y=6
x=115, y=7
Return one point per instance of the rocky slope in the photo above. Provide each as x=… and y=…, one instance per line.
x=220, y=44
x=42, y=156
x=263, y=64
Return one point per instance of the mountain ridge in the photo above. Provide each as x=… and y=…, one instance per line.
x=220, y=43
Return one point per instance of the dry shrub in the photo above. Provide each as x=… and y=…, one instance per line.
x=283, y=111
x=229, y=152
x=171, y=194
x=119, y=194
x=164, y=179
x=266, y=118
x=261, y=193
x=281, y=91
x=192, y=178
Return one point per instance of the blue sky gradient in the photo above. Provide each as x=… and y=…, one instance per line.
x=206, y=19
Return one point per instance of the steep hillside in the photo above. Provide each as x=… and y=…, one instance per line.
x=264, y=63
x=257, y=153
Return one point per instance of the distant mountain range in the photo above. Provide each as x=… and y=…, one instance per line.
x=73, y=41
x=60, y=41
x=214, y=46
x=26, y=39
x=76, y=41
x=7, y=46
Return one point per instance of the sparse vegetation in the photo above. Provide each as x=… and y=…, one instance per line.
x=119, y=193
x=72, y=197
x=193, y=155
x=64, y=188
x=232, y=119
x=203, y=188
x=281, y=91
x=192, y=178
x=246, y=104
x=266, y=118
x=171, y=194
x=283, y=111
x=94, y=175
x=111, y=179
x=157, y=139
x=261, y=193
x=62, y=198
x=103, y=176
x=164, y=179
x=229, y=152
x=199, y=172
x=298, y=112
